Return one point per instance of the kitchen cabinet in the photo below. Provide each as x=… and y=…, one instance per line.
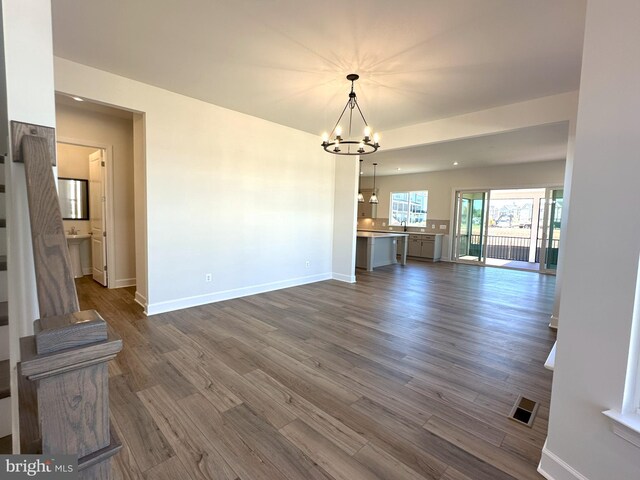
x=426, y=246
x=366, y=209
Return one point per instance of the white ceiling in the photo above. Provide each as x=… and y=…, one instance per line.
x=534, y=144
x=286, y=60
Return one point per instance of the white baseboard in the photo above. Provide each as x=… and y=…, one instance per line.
x=87, y=270
x=124, y=282
x=171, y=305
x=554, y=322
x=344, y=278
x=141, y=300
x=553, y=467
x=5, y=417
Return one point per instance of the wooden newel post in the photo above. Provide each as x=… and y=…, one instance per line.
x=64, y=390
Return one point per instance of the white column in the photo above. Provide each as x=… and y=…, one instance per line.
x=598, y=291
x=345, y=210
x=568, y=174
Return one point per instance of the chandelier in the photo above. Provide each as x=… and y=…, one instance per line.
x=334, y=143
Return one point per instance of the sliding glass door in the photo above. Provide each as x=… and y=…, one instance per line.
x=549, y=230
x=471, y=226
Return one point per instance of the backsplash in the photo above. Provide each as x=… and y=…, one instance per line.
x=382, y=224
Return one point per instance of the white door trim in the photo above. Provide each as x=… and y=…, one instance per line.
x=109, y=189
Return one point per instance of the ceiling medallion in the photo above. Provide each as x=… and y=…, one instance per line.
x=334, y=143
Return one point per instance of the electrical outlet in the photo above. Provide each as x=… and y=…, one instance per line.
x=384, y=224
x=422, y=229
x=433, y=225
x=443, y=227
x=207, y=277
x=307, y=264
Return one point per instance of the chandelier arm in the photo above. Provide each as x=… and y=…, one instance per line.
x=362, y=115
x=339, y=118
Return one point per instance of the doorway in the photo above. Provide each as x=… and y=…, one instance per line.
x=512, y=228
x=86, y=162
x=471, y=226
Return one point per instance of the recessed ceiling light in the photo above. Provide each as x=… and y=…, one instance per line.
x=455, y=163
x=361, y=172
x=78, y=99
x=398, y=169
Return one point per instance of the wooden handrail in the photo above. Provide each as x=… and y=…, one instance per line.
x=63, y=377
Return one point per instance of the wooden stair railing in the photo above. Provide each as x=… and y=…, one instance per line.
x=63, y=377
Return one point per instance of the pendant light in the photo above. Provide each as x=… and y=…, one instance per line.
x=360, y=196
x=374, y=197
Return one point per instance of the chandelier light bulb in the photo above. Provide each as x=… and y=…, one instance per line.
x=376, y=138
x=338, y=131
x=325, y=137
x=367, y=131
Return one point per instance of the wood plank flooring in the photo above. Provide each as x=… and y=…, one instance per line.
x=408, y=374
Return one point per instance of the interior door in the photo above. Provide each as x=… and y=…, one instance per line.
x=97, y=216
x=471, y=226
x=551, y=231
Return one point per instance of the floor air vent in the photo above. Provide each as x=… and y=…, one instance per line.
x=524, y=411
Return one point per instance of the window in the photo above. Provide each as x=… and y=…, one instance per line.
x=410, y=207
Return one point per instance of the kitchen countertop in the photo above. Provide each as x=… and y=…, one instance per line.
x=399, y=231
x=371, y=234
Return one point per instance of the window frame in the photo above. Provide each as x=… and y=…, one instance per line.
x=626, y=421
x=408, y=212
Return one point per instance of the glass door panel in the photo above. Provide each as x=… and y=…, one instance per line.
x=471, y=226
x=550, y=230
x=553, y=237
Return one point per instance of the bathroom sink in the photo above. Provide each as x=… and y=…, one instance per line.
x=74, y=242
x=78, y=236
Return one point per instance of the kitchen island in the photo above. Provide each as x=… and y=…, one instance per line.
x=375, y=249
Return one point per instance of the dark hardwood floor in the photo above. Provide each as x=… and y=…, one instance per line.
x=408, y=374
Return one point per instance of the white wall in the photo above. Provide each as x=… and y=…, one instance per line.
x=246, y=200
x=29, y=73
x=117, y=132
x=598, y=296
x=140, y=207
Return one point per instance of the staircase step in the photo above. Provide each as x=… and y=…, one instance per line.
x=4, y=314
x=5, y=379
x=3, y=263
